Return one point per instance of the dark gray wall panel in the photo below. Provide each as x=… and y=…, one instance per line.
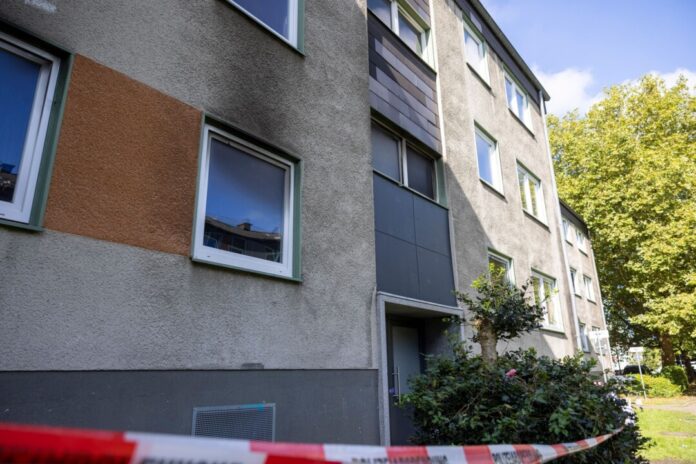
x=407, y=94
x=397, y=266
x=330, y=406
x=393, y=210
x=432, y=231
x=412, y=244
x=435, y=277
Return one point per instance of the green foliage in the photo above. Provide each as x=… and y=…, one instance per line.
x=655, y=386
x=500, y=311
x=676, y=375
x=629, y=168
x=520, y=398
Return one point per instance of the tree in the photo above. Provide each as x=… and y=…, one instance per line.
x=629, y=168
x=500, y=311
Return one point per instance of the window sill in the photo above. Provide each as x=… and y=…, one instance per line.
x=592, y=301
x=537, y=220
x=521, y=122
x=299, y=48
x=247, y=270
x=553, y=330
x=577, y=295
x=583, y=252
x=481, y=79
x=21, y=225
x=569, y=242
x=493, y=189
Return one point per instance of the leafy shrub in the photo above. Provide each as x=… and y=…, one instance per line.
x=655, y=387
x=677, y=375
x=521, y=398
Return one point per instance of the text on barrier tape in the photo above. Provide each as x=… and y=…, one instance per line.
x=38, y=445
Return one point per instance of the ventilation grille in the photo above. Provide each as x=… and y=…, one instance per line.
x=247, y=422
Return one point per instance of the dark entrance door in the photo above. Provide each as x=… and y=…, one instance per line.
x=404, y=359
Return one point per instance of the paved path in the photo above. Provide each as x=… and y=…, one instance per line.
x=683, y=405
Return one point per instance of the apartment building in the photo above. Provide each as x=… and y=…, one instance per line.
x=584, y=281
x=247, y=218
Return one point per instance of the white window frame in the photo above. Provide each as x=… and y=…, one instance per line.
x=525, y=175
x=555, y=297
x=567, y=229
x=293, y=16
x=575, y=281
x=581, y=240
x=481, y=67
x=589, y=288
x=506, y=261
x=496, y=168
x=19, y=210
x=212, y=255
x=526, y=118
x=398, y=8
x=584, y=338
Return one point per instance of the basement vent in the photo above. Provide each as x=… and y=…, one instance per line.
x=247, y=422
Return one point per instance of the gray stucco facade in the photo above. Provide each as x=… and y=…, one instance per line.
x=103, y=330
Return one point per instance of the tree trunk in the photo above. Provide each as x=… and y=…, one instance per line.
x=667, y=350
x=488, y=342
x=690, y=373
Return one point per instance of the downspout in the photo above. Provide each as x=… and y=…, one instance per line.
x=576, y=323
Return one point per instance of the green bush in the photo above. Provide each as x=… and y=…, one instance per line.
x=655, y=387
x=677, y=375
x=521, y=398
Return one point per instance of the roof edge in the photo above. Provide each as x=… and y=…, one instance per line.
x=481, y=10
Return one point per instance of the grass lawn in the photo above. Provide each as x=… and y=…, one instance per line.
x=673, y=434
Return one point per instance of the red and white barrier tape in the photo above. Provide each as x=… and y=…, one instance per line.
x=26, y=444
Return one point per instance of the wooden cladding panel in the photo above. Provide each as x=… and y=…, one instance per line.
x=402, y=87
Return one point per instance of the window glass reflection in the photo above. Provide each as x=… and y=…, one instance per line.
x=274, y=13
x=385, y=153
x=18, y=81
x=245, y=204
x=421, y=173
x=410, y=34
x=381, y=8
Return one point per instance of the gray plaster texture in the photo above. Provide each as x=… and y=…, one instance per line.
x=324, y=406
x=483, y=218
x=589, y=312
x=72, y=303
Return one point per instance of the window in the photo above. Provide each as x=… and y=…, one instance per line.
x=546, y=294
x=567, y=231
x=488, y=160
x=28, y=78
x=411, y=29
x=589, y=289
x=531, y=194
x=475, y=51
x=246, y=208
x=580, y=239
x=395, y=158
x=583, y=337
x=280, y=16
x=501, y=264
x=517, y=101
x=574, y=281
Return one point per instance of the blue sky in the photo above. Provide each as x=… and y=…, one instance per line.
x=576, y=48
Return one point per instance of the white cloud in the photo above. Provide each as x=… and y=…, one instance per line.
x=671, y=77
x=571, y=87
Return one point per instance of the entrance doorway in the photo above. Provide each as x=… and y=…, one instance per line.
x=405, y=360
